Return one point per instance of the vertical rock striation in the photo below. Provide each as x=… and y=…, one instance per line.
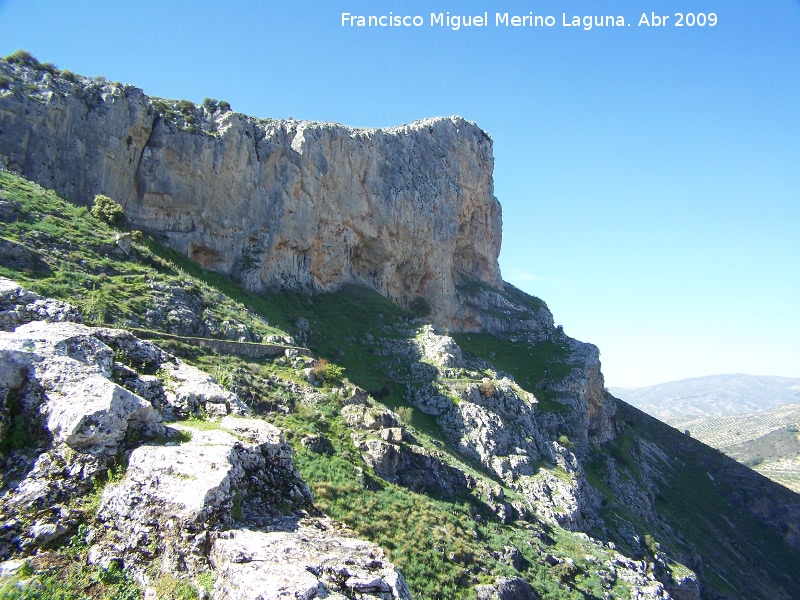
x=291, y=203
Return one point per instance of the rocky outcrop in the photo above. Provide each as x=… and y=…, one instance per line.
x=70, y=405
x=308, y=559
x=506, y=588
x=488, y=418
x=77, y=407
x=62, y=411
x=294, y=203
x=173, y=496
x=19, y=306
x=438, y=350
x=393, y=454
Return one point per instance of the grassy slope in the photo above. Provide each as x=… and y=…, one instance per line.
x=442, y=549
x=742, y=557
x=766, y=441
x=440, y=546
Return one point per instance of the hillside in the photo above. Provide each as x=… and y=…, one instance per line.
x=750, y=418
x=678, y=402
x=648, y=501
x=272, y=203
x=345, y=446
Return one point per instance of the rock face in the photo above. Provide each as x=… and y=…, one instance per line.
x=172, y=496
x=74, y=409
x=393, y=454
x=59, y=401
x=294, y=203
x=19, y=306
x=311, y=561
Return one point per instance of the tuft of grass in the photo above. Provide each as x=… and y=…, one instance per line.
x=533, y=366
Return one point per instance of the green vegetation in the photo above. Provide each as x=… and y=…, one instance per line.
x=186, y=107
x=472, y=286
x=77, y=261
x=23, y=57
x=696, y=499
x=440, y=546
x=533, y=366
x=18, y=432
x=420, y=307
x=65, y=574
x=444, y=546
x=105, y=209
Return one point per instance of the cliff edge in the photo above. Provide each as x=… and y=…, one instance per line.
x=271, y=202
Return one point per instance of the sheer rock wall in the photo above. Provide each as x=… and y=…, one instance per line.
x=292, y=203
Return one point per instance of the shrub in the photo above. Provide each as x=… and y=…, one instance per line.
x=162, y=106
x=67, y=75
x=224, y=106
x=23, y=57
x=651, y=544
x=333, y=373
x=210, y=104
x=565, y=441
x=318, y=370
x=565, y=571
x=105, y=209
x=406, y=414
x=186, y=107
x=487, y=388
x=327, y=372
x=420, y=307
x=5, y=82
x=224, y=377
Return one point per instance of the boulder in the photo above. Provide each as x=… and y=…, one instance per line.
x=19, y=306
x=312, y=560
x=514, y=588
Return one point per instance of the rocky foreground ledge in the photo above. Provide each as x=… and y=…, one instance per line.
x=80, y=402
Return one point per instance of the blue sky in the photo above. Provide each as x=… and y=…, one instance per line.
x=649, y=177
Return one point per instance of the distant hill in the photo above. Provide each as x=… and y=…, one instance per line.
x=678, y=402
x=750, y=418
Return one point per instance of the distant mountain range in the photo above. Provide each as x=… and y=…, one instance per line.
x=680, y=402
x=750, y=418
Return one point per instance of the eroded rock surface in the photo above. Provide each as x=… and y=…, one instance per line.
x=174, y=496
x=76, y=403
x=387, y=447
x=19, y=306
x=63, y=409
x=311, y=559
x=294, y=203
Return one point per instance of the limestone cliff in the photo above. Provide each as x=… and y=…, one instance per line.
x=290, y=203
